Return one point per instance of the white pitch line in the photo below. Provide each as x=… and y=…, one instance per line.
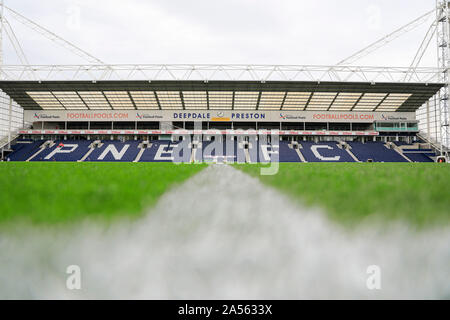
x=222, y=234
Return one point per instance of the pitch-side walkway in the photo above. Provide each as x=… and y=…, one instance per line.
x=222, y=234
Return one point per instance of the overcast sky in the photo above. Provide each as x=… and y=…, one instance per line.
x=220, y=31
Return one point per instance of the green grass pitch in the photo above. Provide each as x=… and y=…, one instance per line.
x=415, y=192
x=58, y=192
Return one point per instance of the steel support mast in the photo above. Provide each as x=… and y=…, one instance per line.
x=1, y=33
x=443, y=48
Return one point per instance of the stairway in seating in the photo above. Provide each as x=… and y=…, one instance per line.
x=91, y=149
x=391, y=145
x=348, y=148
x=48, y=143
x=143, y=146
x=296, y=146
x=139, y=155
x=246, y=146
x=195, y=146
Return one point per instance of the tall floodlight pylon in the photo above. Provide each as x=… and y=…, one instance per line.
x=443, y=53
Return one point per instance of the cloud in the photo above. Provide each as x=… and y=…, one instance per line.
x=233, y=31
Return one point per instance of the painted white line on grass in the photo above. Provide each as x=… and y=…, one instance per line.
x=222, y=234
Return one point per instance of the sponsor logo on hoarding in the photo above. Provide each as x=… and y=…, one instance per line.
x=45, y=116
x=291, y=117
x=393, y=118
x=147, y=116
x=220, y=117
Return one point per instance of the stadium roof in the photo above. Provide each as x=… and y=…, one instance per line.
x=220, y=95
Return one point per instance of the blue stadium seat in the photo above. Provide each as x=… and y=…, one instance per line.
x=324, y=152
x=79, y=147
x=25, y=151
x=115, y=151
x=418, y=157
x=165, y=152
x=400, y=143
x=288, y=154
x=376, y=151
x=230, y=150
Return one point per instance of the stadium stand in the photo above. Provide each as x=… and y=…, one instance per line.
x=228, y=151
x=268, y=152
x=324, y=152
x=418, y=155
x=400, y=143
x=376, y=151
x=251, y=151
x=24, y=151
x=288, y=153
x=159, y=151
x=312, y=122
x=64, y=151
x=115, y=151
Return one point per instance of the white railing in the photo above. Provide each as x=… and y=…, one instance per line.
x=199, y=132
x=6, y=140
x=432, y=142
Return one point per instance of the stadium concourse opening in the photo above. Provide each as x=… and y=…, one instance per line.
x=219, y=121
